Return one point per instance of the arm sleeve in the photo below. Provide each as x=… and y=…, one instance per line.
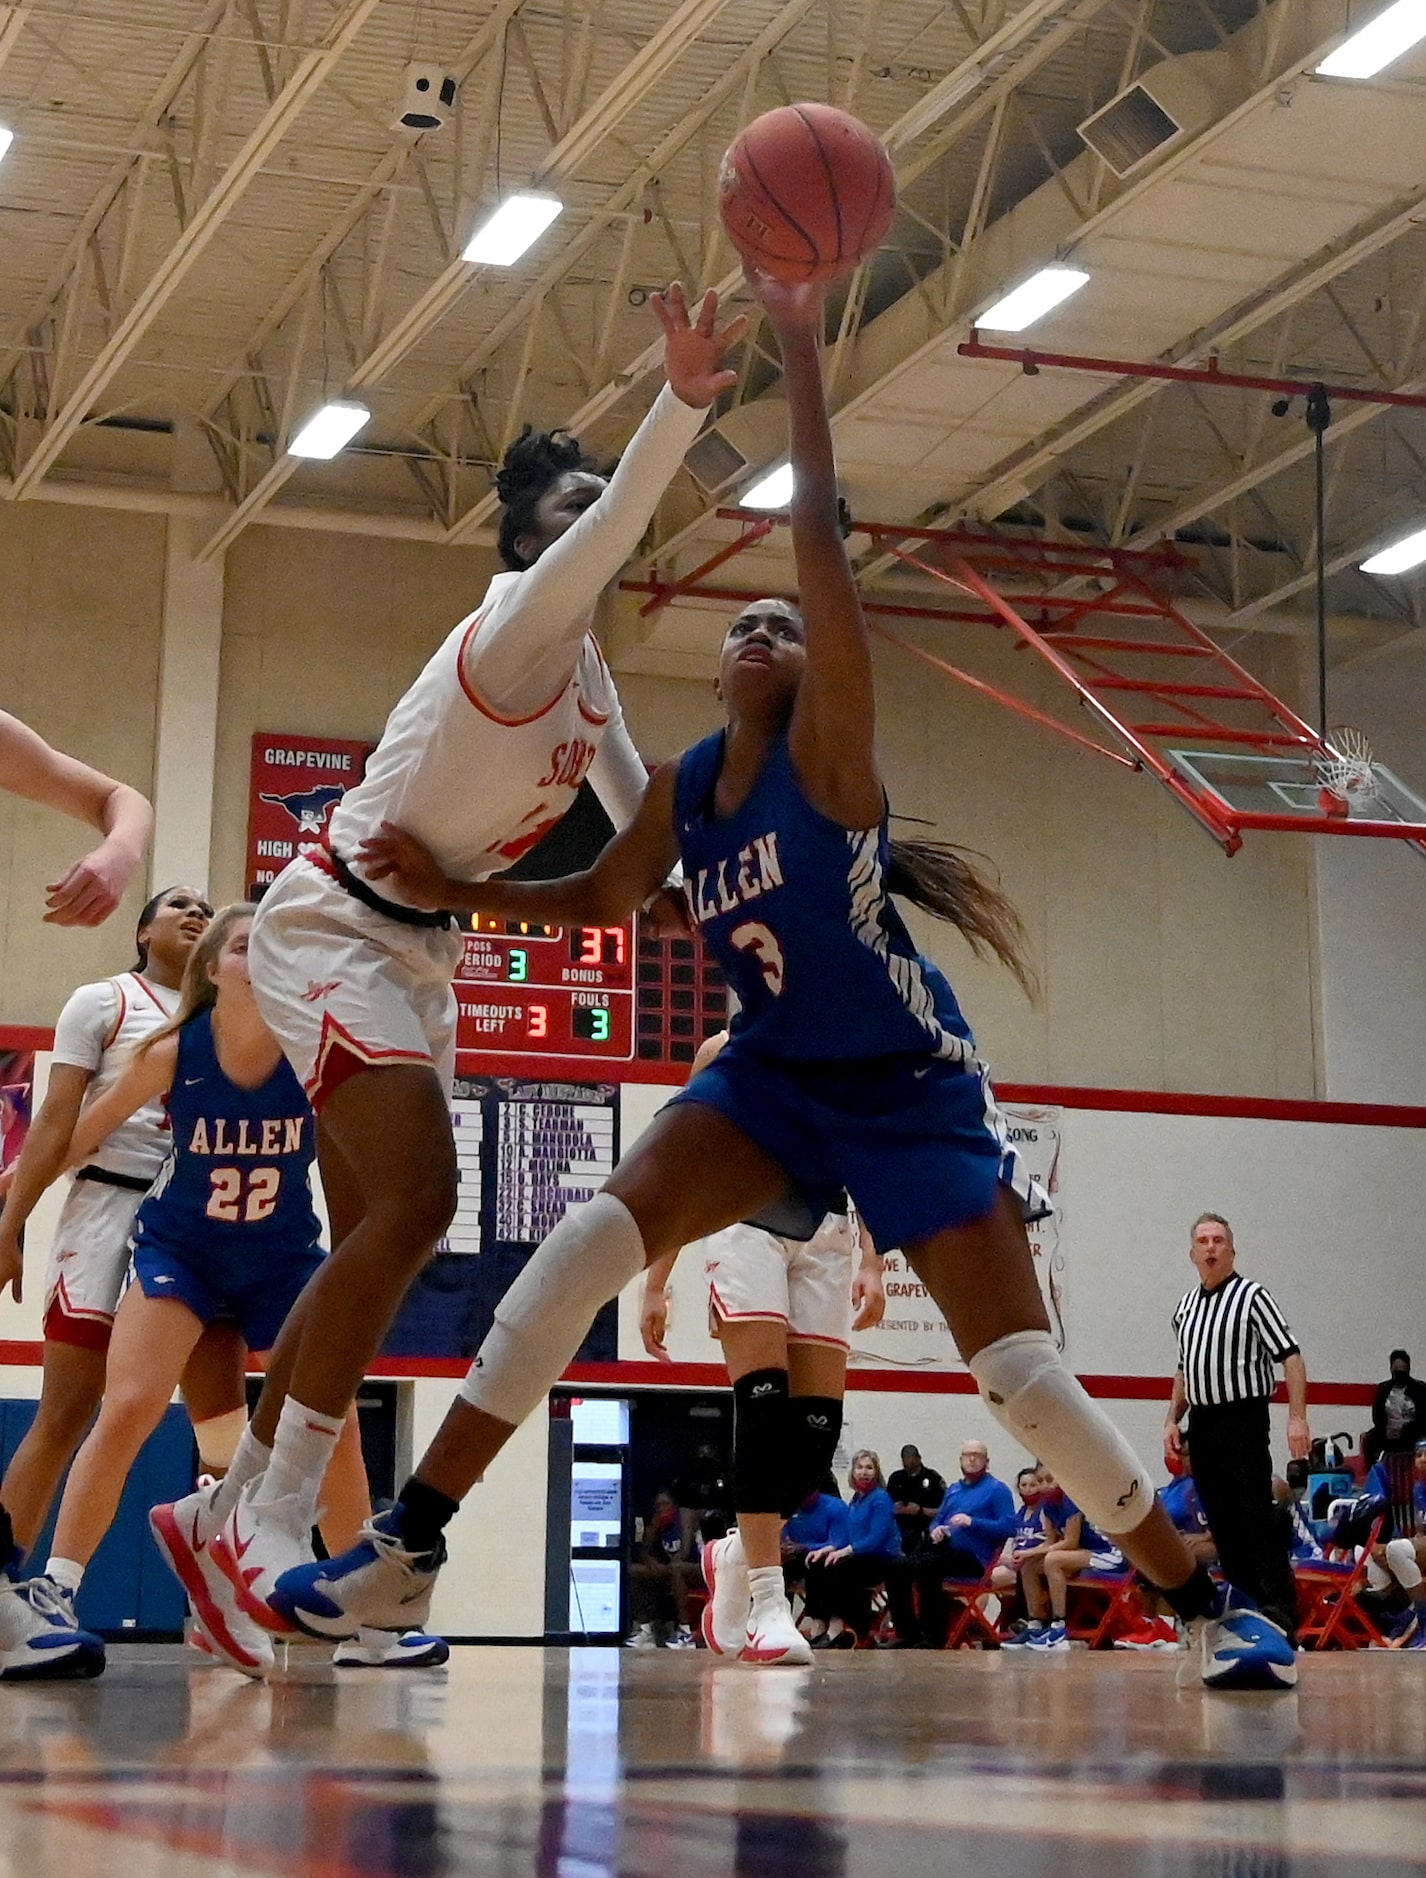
x=85, y=1025
x=617, y=775
x=522, y=652
x=1272, y=1326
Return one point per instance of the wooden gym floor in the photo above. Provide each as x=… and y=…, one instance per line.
x=533, y=1763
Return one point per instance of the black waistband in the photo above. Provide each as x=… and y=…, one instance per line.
x=406, y=915
x=106, y=1177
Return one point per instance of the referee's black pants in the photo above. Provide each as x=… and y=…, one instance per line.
x=1231, y=1449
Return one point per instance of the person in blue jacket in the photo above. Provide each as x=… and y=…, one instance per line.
x=841, y=1578
x=972, y=1523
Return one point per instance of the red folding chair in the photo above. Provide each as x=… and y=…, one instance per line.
x=970, y=1625
x=1333, y=1618
x=1101, y=1604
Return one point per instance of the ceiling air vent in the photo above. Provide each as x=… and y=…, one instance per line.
x=1129, y=130
x=713, y=461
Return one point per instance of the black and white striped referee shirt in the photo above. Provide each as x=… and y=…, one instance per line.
x=1228, y=1341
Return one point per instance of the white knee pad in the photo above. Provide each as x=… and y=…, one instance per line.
x=1401, y=1562
x=545, y=1315
x=1378, y=1577
x=1028, y=1390
x=218, y=1439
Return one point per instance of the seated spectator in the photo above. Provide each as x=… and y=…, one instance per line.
x=1027, y=1542
x=704, y=1496
x=1399, y=1560
x=1074, y=1547
x=840, y=1579
x=819, y=1525
x=975, y=1518
x=1398, y=1411
x=662, y=1573
x=916, y=1491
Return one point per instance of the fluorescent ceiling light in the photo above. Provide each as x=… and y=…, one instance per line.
x=516, y=225
x=1374, y=46
x=329, y=430
x=773, y=491
x=1400, y=557
x=1033, y=299
x=7, y=137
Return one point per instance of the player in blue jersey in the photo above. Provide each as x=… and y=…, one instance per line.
x=227, y=1232
x=850, y=1065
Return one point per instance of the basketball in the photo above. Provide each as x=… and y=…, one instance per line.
x=806, y=192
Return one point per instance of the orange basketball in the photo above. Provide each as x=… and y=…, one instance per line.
x=806, y=192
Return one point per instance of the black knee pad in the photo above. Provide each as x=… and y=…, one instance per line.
x=814, y=1427
x=760, y=1441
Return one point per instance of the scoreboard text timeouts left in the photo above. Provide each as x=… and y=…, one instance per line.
x=557, y=991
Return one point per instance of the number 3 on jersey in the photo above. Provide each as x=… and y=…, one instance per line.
x=752, y=936
x=243, y=1194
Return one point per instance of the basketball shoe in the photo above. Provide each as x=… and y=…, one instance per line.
x=40, y=1638
x=378, y=1649
x=1238, y=1648
x=1155, y=1633
x=725, y=1615
x=256, y=1544
x=184, y=1532
x=376, y=1585
x=771, y=1636
x=1053, y=1640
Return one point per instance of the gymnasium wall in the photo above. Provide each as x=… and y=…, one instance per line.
x=80, y=605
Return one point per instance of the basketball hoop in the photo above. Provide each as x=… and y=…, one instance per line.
x=1345, y=772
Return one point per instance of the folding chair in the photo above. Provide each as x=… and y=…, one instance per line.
x=1120, y=1602
x=971, y=1624
x=1334, y=1619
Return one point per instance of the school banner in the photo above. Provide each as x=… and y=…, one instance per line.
x=17, y=1078
x=296, y=782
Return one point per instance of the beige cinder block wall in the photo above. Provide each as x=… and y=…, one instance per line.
x=81, y=600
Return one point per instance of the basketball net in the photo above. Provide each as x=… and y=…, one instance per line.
x=1346, y=776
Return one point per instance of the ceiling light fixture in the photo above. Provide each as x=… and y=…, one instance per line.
x=329, y=430
x=1400, y=557
x=772, y=491
x=1032, y=299
x=1377, y=44
x=515, y=226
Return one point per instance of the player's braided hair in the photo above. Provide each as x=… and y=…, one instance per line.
x=940, y=880
x=533, y=463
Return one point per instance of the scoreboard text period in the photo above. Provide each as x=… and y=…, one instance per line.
x=559, y=991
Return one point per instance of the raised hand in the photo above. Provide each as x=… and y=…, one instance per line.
x=414, y=871
x=792, y=306
x=693, y=349
x=92, y=888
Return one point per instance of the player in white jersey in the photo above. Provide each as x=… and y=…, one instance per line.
x=86, y=893
x=89, y=1254
x=481, y=757
x=783, y=1291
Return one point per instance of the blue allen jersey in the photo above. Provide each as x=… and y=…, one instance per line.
x=796, y=910
x=237, y=1180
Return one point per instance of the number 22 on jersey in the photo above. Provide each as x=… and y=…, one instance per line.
x=243, y=1194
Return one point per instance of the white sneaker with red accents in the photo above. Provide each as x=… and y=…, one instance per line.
x=183, y=1532
x=772, y=1637
x=725, y=1615
x=259, y=1542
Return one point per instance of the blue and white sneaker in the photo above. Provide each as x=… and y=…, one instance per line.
x=1023, y=1639
x=1416, y=1640
x=40, y=1638
x=1239, y=1649
x=378, y=1649
x=1054, y=1638
x=377, y=1585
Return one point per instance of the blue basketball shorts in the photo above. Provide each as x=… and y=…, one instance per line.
x=919, y=1145
x=256, y=1295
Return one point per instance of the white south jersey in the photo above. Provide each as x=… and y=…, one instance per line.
x=479, y=789
x=98, y=1030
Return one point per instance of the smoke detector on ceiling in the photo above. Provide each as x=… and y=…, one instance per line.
x=428, y=98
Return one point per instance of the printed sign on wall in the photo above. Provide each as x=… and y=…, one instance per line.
x=296, y=783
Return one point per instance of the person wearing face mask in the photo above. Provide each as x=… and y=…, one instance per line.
x=1398, y=1411
x=841, y=1578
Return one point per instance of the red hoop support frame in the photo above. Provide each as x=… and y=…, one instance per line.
x=1230, y=706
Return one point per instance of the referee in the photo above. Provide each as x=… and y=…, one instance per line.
x=1230, y=1334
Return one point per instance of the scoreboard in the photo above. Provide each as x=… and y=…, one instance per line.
x=556, y=991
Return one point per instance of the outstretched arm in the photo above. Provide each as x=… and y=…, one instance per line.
x=146, y=1078
x=833, y=730
x=633, y=866
x=88, y=893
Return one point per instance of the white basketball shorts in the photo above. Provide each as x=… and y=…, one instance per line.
x=344, y=988
x=88, y=1261
x=753, y=1276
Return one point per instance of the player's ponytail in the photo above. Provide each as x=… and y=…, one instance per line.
x=942, y=882
x=198, y=992
x=533, y=463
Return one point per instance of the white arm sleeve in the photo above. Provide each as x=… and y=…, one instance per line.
x=86, y=1024
x=523, y=651
x=617, y=775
